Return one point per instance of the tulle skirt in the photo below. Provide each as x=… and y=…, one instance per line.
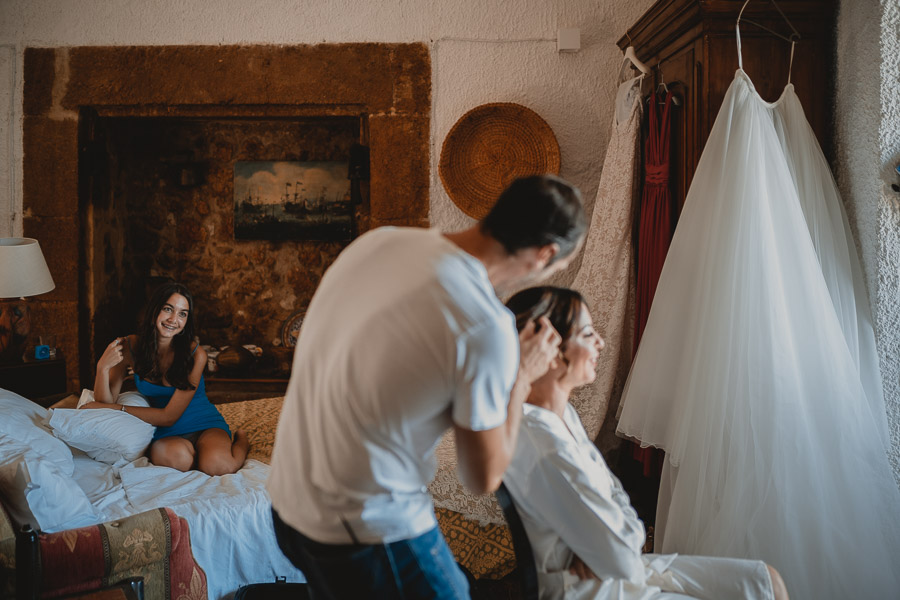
x=746, y=378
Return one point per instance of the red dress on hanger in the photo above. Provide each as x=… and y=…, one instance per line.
x=657, y=224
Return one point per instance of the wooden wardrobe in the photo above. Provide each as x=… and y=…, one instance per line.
x=690, y=44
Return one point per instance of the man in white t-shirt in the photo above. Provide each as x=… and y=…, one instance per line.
x=405, y=338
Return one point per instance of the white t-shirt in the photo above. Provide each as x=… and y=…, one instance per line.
x=404, y=337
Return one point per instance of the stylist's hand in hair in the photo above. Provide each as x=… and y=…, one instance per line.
x=538, y=346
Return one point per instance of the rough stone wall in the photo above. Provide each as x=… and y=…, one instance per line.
x=386, y=86
x=244, y=289
x=867, y=127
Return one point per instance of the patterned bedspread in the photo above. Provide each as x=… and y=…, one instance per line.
x=485, y=549
x=259, y=419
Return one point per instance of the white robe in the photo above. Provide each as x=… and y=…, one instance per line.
x=570, y=503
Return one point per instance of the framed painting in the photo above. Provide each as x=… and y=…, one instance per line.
x=284, y=200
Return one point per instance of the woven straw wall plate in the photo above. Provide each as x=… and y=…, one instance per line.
x=489, y=147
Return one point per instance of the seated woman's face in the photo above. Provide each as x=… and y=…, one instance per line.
x=173, y=316
x=582, y=350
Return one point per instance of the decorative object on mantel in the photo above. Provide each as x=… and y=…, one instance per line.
x=489, y=147
x=212, y=354
x=281, y=200
x=235, y=359
x=23, y=272
x=291, y=329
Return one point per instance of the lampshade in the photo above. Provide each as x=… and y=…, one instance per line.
x=23, y=270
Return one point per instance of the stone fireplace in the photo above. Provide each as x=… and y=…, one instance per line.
x=129, y=164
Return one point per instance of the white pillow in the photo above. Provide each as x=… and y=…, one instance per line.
x=22, y=428
x=36, y=491
x=110, y=436
x=126, y=398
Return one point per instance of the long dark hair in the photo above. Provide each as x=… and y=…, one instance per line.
x=146, y=364
x=560, y=305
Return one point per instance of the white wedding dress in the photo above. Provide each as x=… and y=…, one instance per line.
x=757, y=371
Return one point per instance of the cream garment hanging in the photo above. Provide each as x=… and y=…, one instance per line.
x=746, y=378
x=606, y=275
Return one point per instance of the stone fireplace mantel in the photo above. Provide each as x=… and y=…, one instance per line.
x=387, y=85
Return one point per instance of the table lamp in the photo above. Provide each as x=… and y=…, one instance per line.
x=23, y=272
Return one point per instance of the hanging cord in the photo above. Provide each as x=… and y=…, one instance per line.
x=795, y=35
x=791, y=64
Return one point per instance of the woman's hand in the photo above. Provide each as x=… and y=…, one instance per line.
x=581, y=570
x=112, y=356
x=111, y=371
x=537, y=349
x=100, y=405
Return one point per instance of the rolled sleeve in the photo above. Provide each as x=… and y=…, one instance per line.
x=486, y=365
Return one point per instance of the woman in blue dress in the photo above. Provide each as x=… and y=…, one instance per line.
x=168, y=371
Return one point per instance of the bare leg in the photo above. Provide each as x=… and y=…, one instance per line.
x=217, y=455
x=175, y=452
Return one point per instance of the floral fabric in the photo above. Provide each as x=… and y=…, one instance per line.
x=154, y=545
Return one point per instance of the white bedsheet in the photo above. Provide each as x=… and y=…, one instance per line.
x=229, y=517
x=102, y=486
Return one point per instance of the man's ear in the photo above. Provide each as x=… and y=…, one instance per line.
x=546, y=254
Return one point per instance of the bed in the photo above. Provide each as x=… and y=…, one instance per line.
x=229, y=516
x=62, y=488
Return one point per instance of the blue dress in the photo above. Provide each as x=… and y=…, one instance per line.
x=199, y=415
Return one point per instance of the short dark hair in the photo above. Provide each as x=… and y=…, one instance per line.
x=537, y=211
x=560, y=305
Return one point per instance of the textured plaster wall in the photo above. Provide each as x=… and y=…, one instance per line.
x=481, y=52
x=867, y=126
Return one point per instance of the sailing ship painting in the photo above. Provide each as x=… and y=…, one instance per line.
x=283, y=200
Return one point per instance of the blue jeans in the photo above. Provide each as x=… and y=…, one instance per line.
x=419, y=567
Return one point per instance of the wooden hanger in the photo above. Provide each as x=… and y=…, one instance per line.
x=795, y=35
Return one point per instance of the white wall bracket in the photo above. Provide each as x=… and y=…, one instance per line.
x=568, y=40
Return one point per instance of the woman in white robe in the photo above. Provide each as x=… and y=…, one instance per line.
x=586, y=537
